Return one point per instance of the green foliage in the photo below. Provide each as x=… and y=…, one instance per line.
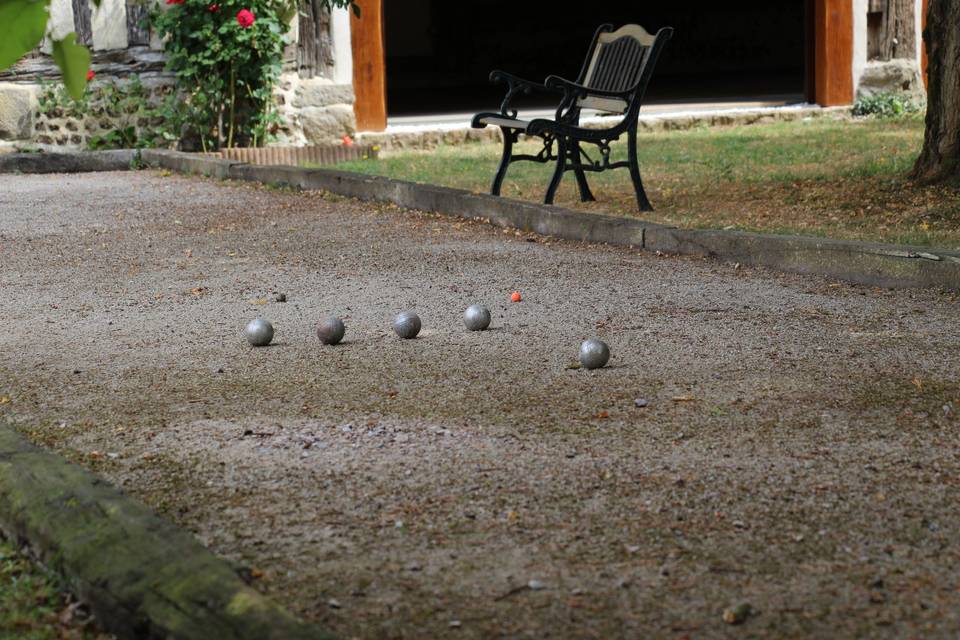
x=886, y=105
x=24, y=23
x=32, y=603
x=138, y=121
x=226, y=69
x=74, y=61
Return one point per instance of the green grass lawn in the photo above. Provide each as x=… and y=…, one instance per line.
x=33, y=605
x=836, y=178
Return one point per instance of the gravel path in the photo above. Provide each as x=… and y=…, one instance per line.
x=798, y=450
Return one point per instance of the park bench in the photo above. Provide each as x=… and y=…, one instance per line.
x=613, y=79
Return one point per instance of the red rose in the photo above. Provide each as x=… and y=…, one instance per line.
x=213, y=8
x=244, y=18
x=90, y=75
x=174, y=1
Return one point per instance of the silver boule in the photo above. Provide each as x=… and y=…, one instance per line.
x=259, y=332
x=594, y=353
x=331, y=330
x=407, y=325
x=476, y=317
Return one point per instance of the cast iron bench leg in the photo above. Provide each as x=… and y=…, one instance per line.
x=558, y=171
x=508, y=136
x=642, y=202
x=585, y=194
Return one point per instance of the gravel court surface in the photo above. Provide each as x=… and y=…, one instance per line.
x=798, y=450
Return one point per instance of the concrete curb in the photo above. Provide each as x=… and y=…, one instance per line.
x=69, y=162
x=873, y=264
x=142, y=576
x=881, y=265
x=188, y=163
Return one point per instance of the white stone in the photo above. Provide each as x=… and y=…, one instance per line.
x=59, y=24
x=17, y=105
x=901, y=75
x=342, y=54
x=109, y=25
x=325, y=125
x=322, y=92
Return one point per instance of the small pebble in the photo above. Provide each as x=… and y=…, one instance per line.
x=640, y=402
x=536, y=585
x=280, y=297
x=455, y=624
x=333, y=603
x=737, y=614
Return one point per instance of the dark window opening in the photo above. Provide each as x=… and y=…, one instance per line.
x=439, y=54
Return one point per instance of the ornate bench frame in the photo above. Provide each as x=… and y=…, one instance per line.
x=613, y=79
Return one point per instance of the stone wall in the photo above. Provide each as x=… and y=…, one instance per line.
x=314, y=110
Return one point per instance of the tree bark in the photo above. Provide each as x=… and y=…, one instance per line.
x=940, y=158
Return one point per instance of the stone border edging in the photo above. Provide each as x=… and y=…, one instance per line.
x=142, y=576
x=70, y=162
x=873, y=264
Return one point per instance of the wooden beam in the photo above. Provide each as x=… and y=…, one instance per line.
x=82, y=22
x=138, y=24
x=833, y=52
x=369, y=67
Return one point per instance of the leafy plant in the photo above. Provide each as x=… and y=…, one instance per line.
x=24, y=25
x=226, y=55
x=138, y=121
x=886, y=105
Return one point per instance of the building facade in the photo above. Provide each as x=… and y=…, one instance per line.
x=343, y=74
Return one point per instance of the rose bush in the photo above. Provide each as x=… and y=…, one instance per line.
x=226, y=56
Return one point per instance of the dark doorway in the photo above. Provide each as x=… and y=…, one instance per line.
x=439, y=54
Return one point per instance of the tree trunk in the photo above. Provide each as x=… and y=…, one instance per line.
x=940, y=158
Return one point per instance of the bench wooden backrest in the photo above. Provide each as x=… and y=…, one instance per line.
x=616, y=64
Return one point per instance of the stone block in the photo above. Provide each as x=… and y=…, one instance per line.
x=327, y=124
x=891, y=76
x=17, y=106
x=109, y=25
x=320, y=92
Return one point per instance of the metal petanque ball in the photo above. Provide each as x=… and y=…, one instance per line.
x=407, y=325
x=259, y=332
x=331, y=330
x=476, y=317
x=594, y=353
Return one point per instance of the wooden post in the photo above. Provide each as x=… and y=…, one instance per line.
x=369, y=67
x=82, y=24
x=833, y=52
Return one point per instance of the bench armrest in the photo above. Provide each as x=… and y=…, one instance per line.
x=578, y=90
x=515, y=85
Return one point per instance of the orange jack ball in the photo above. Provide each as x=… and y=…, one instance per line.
x=515, y=297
